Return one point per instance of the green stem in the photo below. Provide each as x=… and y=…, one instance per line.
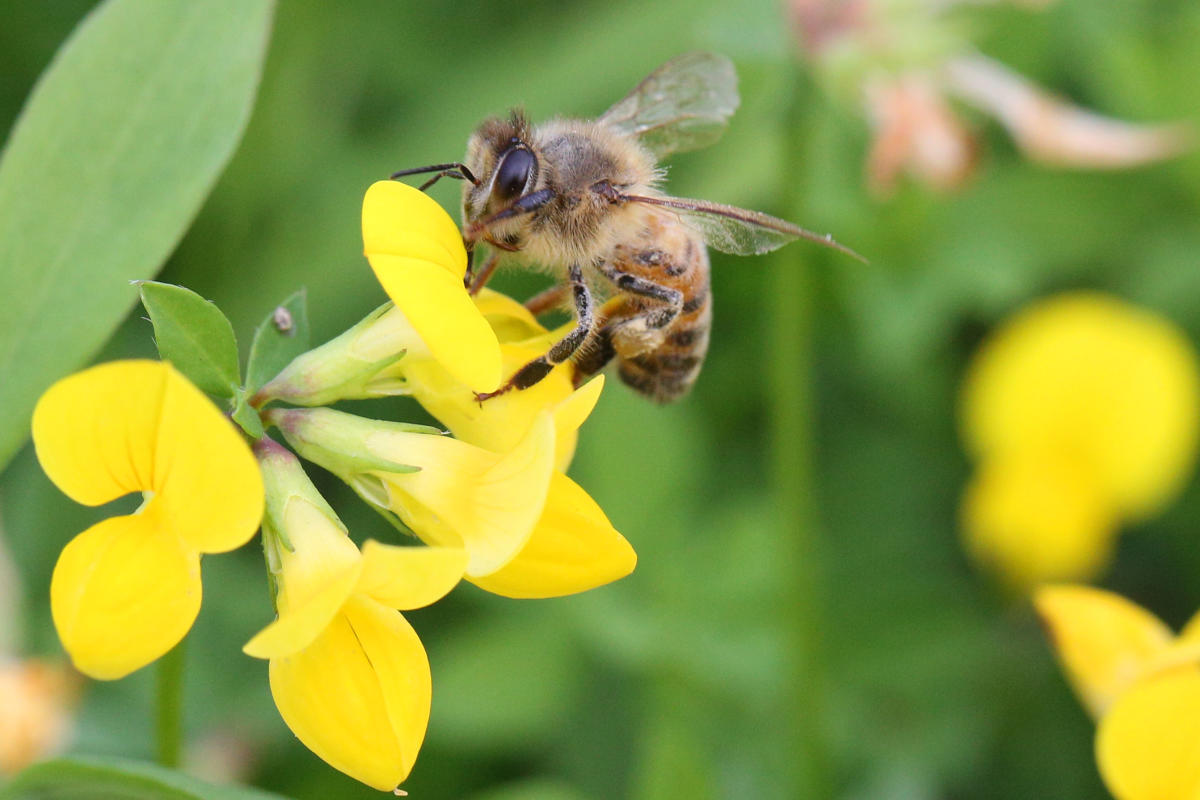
x=792, y=415
x=169, y=706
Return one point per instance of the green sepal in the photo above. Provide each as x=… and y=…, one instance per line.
x=279, y=339
x=194, y=335
x=105, y=778
x=336, y=371
x=246, y=416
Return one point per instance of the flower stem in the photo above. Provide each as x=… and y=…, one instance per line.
x=792, y=414
x=169, y=706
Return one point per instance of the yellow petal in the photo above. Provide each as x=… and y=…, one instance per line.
x=1105, y=642
x=300, y=623
x=468, y=497
x=572, y=412
x=1035, y=516
x=511, y=321
x=96, y=432
x=441, y=311
x=207, y=478
x=131, y=426
x=124, y=592
x=1148, y=745
x=410, y=577
x=399, y=661
x=400, y=220
x=339, y=695
x=321, y=553
x=1113, y=384
x=573, y=548
x=499, y=424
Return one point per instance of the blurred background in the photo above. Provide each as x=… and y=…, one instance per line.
x=803, y=621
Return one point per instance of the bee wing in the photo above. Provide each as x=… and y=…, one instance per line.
x=738, y=230
x=683, y=105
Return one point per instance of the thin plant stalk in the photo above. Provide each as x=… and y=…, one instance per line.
x=792, y=414
x=169, y=706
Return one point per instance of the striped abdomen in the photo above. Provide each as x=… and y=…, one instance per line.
x=660, y=352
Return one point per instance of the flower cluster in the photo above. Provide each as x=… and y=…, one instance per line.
x=1081, y=412
x=492, y=504
x=1139, y=681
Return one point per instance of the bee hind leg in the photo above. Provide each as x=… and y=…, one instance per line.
x=563, y=349
x=644, y=330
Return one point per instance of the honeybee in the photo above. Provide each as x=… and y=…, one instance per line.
x=581, y=197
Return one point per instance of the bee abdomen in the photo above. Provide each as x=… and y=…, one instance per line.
x=668, y=372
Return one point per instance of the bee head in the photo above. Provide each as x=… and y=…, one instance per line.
x=499, y=152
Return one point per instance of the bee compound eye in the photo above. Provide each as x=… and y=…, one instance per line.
x=513, y=174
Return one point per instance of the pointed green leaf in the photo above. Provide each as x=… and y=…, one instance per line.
x=282, y=336
x=194, y=335
x=112, y=156
x=95, y=778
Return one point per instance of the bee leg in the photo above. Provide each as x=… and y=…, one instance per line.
x=476, y=282
x=597, y=354
x=643, y=330
x=542, y=302
x=563, y=349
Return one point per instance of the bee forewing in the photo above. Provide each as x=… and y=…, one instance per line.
x=740, y=231
x=683, y=105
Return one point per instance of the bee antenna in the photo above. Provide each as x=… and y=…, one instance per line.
x=453, y=169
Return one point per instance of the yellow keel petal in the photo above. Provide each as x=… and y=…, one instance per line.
x=333, y=698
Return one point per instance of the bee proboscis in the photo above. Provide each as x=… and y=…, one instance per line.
x=581, y=198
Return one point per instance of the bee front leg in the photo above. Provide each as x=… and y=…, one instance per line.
x=563, y=349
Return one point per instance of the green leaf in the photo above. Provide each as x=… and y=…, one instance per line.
x=94, y=778
x=282, y=336
x=246, y=416
x=108, y=163
x=194, y=335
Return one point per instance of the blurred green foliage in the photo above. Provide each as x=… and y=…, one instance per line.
x=929, y=683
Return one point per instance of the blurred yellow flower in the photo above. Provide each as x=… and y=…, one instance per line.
x=38, y=698
x=1139, y=681
x=127, y=589
x=348, y=673
x=1081, y=412
x=418, y=256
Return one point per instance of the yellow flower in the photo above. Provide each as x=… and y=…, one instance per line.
x=384, y=355
x=448, y=492
x=1082, y=412
x=1140, y=681
x=531, y=531
x=418, y=256
x=348, y=673
x=127, y=589
x=499, y=423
